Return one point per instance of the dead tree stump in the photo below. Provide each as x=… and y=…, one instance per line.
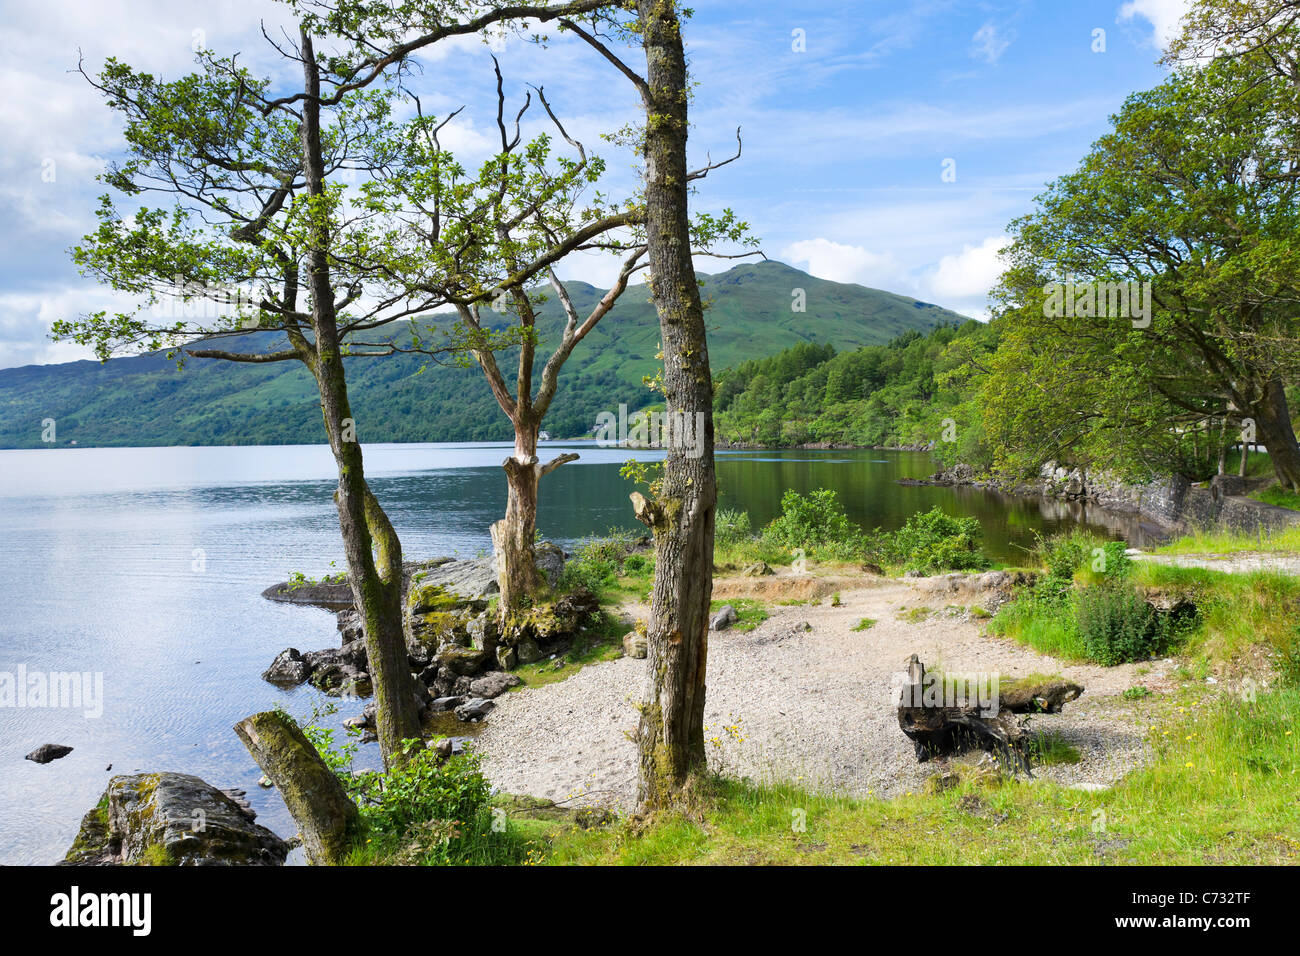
x=937, y=728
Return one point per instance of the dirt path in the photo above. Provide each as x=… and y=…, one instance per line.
x=814, y=706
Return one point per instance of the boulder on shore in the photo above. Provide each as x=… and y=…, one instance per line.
x=172, y=819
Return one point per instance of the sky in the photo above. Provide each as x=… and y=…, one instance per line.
x=885, y=142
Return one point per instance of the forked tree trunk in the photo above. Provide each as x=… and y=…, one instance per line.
x=514, y=536
x=1275, y=433
x=670, y=737
x=371, y=547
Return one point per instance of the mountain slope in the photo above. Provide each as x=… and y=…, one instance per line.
x=146, y=400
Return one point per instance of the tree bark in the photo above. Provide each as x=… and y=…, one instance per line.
x=670, y=736
x=1275, y=433
x=326, y=817
x=371, y=546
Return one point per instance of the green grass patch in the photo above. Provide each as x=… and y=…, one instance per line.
x=865, y=624
x=1277, y=495
x=749, y=614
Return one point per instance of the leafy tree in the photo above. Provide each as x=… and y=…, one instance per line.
x=1193, y=191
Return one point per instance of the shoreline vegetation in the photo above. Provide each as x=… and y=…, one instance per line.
x=1219, y=753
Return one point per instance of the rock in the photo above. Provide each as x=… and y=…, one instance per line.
x=493, y=684
x=443, y=704
x=635, y=645
x=474, y=708
x=175, y=819
x=429, y=675
x=723, y=619
x=47, y=752
x=1222, y=486
x=351, y=627
x=507, y=658
x=288, y=669
x=465, y=661
x=484, y=632
x=474, y=581
x=550, y=561
x=757, y=569
x=528, y=651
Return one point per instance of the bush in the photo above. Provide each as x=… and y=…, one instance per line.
x=730, y=528
x=423, y=789
x=815, y=522
x=1116, y=625
x=933, y=541
x=596, y=562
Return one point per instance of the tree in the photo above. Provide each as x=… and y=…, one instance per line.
x=1194, y=192
x=256, y=235
x=681, y=511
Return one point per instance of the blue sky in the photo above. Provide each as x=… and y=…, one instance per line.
x=846, y=140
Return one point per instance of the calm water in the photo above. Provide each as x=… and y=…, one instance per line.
x=146, y=565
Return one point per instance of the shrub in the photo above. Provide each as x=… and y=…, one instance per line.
x=731, y=528
x=933, y=541
x=815, y=523
x=1116, y=625
x=423, y=789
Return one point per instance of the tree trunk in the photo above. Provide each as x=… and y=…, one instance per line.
x=513, y=535
x=326, y=817
x=1273, y=428
x=670, y=737
x=367, y=533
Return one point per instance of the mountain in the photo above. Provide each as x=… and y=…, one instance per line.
x=146, y=400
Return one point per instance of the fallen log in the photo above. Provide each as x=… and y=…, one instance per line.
x=326, y=816
x=939, y=727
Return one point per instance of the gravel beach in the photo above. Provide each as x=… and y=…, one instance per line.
x=813, y=706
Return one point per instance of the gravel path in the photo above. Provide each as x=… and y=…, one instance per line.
x=811, y=706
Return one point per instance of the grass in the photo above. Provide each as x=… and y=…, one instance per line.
x=866, y=624
x=1285, y=540
x=1277, y=495
x=749, y=614
x=1221, y=789
x=1049, y=749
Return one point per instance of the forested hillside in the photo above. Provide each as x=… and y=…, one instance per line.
x=146, y=400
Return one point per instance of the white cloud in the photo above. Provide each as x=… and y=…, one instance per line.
x=1163, y=15
x=970, y=273
x=990, y=42
x=845, y=263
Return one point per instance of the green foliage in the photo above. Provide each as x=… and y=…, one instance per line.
x=1116, y=625
x=597, y=562
x=730, y=528
x=934, y=541
x=816, y=525
x=898, y=393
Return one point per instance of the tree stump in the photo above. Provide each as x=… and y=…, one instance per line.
x=327, y=818
x=939, y=729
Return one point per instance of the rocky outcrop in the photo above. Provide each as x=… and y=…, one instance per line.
x=1172, y=504
x=456, y=647
x=172, y=819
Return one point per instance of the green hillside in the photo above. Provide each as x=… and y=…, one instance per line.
x=146, y=400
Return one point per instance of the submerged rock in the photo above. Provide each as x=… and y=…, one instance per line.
x=172, y=819
x=47, y=752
